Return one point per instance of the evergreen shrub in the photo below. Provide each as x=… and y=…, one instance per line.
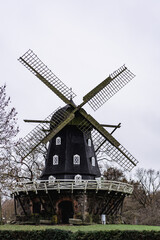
x=116, y=235
x=56, y=234
x=48, y=234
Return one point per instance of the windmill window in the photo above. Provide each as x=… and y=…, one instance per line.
x=58, y=141
x=51, y=180
x=89, y=142
x=78, y=179
x=47, y=145
x=55, y=160
x=93, y=161
x=76, y=159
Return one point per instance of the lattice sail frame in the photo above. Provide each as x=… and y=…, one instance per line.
x=39, y=133
x=110, y=86
x=113, y=152
x=37, y=67
x=102, y=145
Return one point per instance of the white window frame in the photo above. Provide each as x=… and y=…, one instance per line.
x=55, y=160
x=51, y=180
x=76, y=159
x=58, y=140
x=93, y=161
x=89, y=142
x=78, y=179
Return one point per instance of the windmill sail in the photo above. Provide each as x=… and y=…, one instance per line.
x=106, y=89
x=40, y=70
x=119, y=155
x=106, y=143
x=38, y=136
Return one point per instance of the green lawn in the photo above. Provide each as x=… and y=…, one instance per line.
x=96, y=227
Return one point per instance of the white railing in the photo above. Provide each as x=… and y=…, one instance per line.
x=69, y=184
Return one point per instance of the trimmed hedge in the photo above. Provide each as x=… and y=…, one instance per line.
x=48, y=234
x=117, y=235
x=56, y=234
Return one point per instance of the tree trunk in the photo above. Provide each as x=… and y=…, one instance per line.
x=0, y=210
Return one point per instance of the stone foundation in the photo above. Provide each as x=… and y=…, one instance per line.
x=59, y=207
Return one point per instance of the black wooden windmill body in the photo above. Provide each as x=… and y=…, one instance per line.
x=75, y=137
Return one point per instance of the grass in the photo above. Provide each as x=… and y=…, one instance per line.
x=96, y=227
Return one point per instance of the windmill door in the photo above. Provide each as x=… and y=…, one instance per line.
x=65, y=211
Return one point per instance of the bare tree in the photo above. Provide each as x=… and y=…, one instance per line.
x=8, y=130
x=30, y=168
x=8, y=123
x=143, y=206
x=147, y=186
x=12, y=167
x=114, y=174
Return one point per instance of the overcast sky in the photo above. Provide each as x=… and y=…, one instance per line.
x=82, y=42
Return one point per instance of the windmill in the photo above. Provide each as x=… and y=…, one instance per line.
x=75, y=137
